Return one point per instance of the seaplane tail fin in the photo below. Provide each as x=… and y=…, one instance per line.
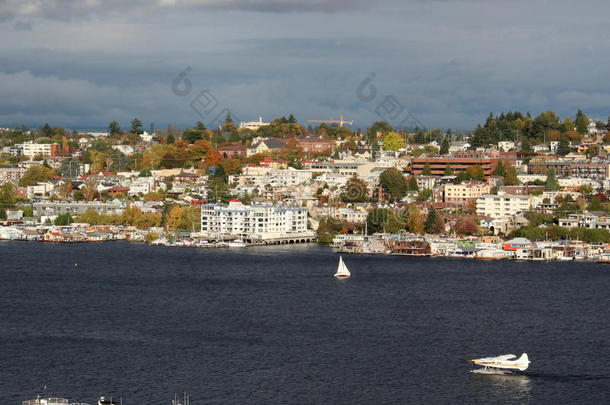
x=523, y=362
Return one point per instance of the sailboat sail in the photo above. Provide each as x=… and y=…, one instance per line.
x=342, y=270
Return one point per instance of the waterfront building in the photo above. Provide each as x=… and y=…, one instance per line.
x=253, y=222
x=586, y=220
x=48, y=208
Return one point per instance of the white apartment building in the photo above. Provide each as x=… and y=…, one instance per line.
x=39, y=190
x=253, y=125
x=31, y=150
x=260, y=222
x=261, y=176
x=11, y=173
x=498, y=206
x=465, y=192
x=349, y=215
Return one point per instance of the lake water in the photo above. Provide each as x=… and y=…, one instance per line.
x=270, y=325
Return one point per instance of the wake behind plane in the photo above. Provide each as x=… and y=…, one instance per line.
x=501, y=364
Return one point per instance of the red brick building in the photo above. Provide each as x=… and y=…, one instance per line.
x=235, y=150
x=316, y=145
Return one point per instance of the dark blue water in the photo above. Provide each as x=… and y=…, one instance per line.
x=270, y=325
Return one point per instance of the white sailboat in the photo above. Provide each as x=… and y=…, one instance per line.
x=342, y=271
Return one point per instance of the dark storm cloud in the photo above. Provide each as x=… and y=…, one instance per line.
x=449, y=62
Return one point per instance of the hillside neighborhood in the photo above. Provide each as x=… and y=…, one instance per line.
x=516, y=186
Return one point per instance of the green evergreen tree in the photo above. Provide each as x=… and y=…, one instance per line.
x=431, y=220
x=445, y=146
x=499, y=170
x=234, y=136
x=427, y=171
x=510, y=176
x=413, y=184
x=564, y=146
x=63, y=219
x=551, y=183
x=136, y=126
x=114, y=128
x=582, y=122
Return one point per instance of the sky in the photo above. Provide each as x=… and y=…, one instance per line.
x=426, y=63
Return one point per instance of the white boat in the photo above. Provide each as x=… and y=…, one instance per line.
x=342, y=271
x=109, y=401
x=501, y=364
x=237, y=243
x=50, y=401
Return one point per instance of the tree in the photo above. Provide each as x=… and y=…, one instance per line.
x=499, y=170
x=200, y=126
x=412, y=185
x=582, y=122
x=114, y=128
x=595, y=204
x=136, y=126
x=356, y=190
x=431, y=220
x=564, y=146
x=213, y=158
x=36, y=174
x=510, y=176
x=448, y=171
x=63, y=219
x=424, y=195
x=393, y=141
x=377, y=219
x=234, y=136
x=551, y=183
x=394, y=182
x=228, y=118
x=445, y=146
x=47, y=130
x=476, y=172
x=170, y=139
x=8, y=195
x=466, y=226
x=414, y=219
x=191, y=135
x=378, y=127
x=90, y=190
x=427, y=171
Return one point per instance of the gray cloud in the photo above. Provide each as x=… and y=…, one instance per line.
x=23, y=26
x=449, y=63
x=67, y=9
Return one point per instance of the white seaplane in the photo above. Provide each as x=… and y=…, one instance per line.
x=501, y=364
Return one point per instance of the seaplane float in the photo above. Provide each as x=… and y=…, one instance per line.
x=505, y=364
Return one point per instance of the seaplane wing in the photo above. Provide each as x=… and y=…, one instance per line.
x=506, y=361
